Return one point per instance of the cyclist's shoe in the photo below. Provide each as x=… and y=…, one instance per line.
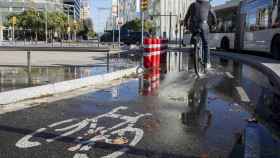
x=208, y=66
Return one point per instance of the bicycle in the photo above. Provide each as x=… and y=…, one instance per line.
x=199, y=64
x=87, y=132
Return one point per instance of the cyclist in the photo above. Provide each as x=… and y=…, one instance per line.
x=196, y=20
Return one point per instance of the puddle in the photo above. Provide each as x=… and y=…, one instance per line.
x=18, y=77
x=188, y=117
x=202, y=116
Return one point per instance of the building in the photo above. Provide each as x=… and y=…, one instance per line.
x=85, y=9
x=166, y=15
x=18, y=6
x=72, y=8
x=127, y=10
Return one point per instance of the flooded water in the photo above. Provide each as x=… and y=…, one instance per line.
x=19, y=77
x=173, y=113
x=207, y=116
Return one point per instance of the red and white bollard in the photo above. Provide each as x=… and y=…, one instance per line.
x=155, y=53
x=151, y=82
x=152, y=50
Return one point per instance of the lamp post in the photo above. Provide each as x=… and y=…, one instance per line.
x=113, y=22
x=119, y=26
x=46, y=24
x=68, y=18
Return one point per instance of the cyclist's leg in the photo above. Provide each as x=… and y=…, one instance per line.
x=204, y=37
x=193, y=40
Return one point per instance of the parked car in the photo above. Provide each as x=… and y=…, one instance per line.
x=134, y=38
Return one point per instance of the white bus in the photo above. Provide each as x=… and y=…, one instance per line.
x=252, y=25
x=224, y=35
x=259, y=26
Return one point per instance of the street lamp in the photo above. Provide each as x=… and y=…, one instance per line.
x=68, y=18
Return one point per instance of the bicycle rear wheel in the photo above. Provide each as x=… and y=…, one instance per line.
x=198, y=66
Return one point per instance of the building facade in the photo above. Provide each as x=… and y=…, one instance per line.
x=8, y=7
x=166, y=15
x=73, y=8
x=127, y=10
x=85, y=9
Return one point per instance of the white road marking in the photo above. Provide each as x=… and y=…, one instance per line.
x=100, y=134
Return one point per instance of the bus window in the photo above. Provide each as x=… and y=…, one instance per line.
x=276, y=13
x=226, y=20
x=262, y=19
x=251, y=22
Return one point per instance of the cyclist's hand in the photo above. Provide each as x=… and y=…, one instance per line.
x=214, y=28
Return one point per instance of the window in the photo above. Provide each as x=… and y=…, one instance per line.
x=260, y=14
x=263, y=19
x=251, y=21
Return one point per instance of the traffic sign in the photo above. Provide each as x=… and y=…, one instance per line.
x=144, y=4
x=120, y=21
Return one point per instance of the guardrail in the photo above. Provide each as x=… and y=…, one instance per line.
x=64, y=44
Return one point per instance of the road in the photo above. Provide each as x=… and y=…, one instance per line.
x=168, y=114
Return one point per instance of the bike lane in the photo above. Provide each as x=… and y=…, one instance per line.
x=182, y=117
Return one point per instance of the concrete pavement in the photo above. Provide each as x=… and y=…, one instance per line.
x=45, y=58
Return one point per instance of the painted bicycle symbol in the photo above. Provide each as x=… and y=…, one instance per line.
x=92, y=133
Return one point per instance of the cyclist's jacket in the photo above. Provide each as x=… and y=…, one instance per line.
x=198, y=14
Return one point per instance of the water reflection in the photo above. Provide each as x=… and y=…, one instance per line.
x=20, y=77
x=197, y=116
x=213, y=110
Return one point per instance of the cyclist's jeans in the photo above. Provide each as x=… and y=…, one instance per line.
x=204, y=31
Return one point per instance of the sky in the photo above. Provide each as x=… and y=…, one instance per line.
x=102, y=8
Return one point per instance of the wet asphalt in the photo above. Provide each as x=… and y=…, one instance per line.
x=164, y=113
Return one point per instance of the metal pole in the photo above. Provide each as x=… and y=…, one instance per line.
x=28, y=61
x=170, y=25
x=160, y=27
x=118, y=24
x=113, y=31
x=108, y=61
x=180, y=31
x=68, y=21
x=46, y=24
x=142, y=28
x=13, y=32
x=74, y=17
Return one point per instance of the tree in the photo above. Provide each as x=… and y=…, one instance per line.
x=57, y=23
x=136, y=25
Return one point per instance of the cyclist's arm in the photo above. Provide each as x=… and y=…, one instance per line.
x=188, y=15
x=213, y=14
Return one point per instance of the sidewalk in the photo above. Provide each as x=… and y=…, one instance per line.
x=45, y=58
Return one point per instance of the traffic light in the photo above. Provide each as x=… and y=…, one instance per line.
x=144, y=4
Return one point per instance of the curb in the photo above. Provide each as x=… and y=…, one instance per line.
x=257, y=62
x=61, y=87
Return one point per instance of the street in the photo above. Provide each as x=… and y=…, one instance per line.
x=140, y=79
x=176, y=116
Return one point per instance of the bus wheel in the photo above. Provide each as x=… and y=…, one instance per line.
x=225, y=43
x=275, y=47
